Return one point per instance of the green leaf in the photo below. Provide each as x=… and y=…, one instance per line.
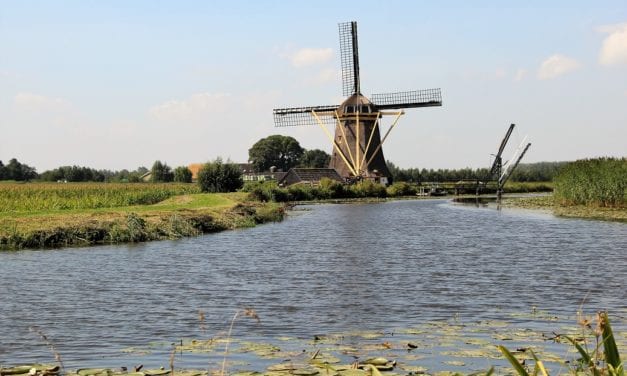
x=513, y=361
x=612, y=356
x=585, y=356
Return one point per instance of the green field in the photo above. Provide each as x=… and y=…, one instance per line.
x=41, y=215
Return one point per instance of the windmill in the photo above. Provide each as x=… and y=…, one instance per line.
x=357, y=143
x=500, y=171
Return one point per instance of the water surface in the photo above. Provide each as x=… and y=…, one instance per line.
x=326, y=269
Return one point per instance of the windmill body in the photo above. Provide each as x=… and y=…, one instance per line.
x=357, y=142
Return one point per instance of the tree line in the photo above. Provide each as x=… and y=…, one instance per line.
x=525, y=172
x=281, y=152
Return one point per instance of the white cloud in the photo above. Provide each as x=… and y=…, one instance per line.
x=30, y=102
x=187, y=109
x=324, y=76
x=557, y=65
x=309, y=56
x=614, y=49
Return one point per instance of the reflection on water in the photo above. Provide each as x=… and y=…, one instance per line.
x=327, y=269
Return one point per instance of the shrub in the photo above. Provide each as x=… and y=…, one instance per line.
x=367, y=188
x=401, y=189
x=182, y=174
x=217, y=176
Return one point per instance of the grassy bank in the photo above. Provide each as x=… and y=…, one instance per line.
x=549, y=203
x=590, y=188
x=600, y=182
x=52, y=215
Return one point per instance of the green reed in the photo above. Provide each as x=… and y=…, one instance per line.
x=593, y=182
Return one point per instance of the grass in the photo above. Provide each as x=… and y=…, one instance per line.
x=548, y=203
x=601, y=359
x=600, y=182
x=50, y=215
x=16, y=198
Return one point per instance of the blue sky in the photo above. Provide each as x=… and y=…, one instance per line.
x=120, y=84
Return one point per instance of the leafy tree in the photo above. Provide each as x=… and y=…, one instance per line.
x=15, y=170
x=161, y=172
x=217, y=176
x=284, y=152
x=315, y=158
x=182, y=174
x=1, y=170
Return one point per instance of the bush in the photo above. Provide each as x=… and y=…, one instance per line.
x=401, y=189
x=266, y=191
x=182, y=174
x=217, y=176
x=367, y=188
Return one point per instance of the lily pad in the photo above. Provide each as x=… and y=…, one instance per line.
x=456, y=363
x=156, y=372
x=94, y=372
x=378, y=361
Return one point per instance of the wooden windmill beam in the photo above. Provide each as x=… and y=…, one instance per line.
x=335, y=145
x=398, y=116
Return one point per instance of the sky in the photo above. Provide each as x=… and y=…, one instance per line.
x=120, y=84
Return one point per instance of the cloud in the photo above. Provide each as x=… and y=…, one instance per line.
x=191, y=108
x=324, y=76
x=614, y=48
x=309, y=56
x=557, y=65
x=30, y=102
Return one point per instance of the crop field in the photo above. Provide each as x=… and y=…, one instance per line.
x=37, y=197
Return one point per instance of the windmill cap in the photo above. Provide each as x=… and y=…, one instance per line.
x=356, y=103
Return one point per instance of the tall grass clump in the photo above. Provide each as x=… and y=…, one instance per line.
x=69, y=196
x=600, y=182
x=597, y=350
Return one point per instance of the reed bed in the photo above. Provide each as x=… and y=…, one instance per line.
x=36, y=197
x=600, y=182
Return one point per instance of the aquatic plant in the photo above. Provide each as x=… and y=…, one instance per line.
x=50, y=344
x=605, y=352
x=593, y=182
x=246, y=312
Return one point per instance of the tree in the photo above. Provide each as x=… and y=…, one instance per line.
x=182, y=174
x=19, y=171
x=217, y=176
x=161, y=172
x=1, y=170
x=284, y=152
x=315, y=158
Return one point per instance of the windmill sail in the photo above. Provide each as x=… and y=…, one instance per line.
x=295, y=116
x=407, y=99
x=349, y=58
x=357, y=143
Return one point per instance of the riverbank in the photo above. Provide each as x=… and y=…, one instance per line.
x=176, y=217
x=547, y=203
